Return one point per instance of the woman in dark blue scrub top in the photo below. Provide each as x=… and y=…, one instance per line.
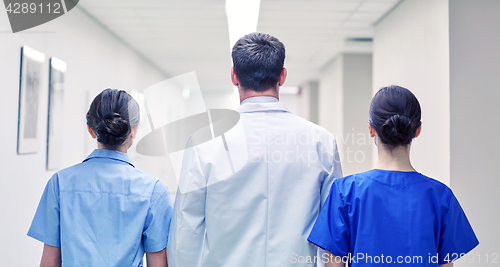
x=392, y=215
x=103, y=211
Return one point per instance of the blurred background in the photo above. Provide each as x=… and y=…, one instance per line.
x=338, y=54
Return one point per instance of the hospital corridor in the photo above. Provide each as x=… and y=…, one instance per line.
x=262, y=166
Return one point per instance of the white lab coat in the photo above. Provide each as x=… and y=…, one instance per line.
x=258, y=208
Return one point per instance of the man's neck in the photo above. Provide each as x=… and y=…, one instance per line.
x=247, y=93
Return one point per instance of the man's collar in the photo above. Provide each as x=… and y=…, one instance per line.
x=110, y=154
x=260, y=99
x=258, y=106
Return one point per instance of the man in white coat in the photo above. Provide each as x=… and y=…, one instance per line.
x=258, y=212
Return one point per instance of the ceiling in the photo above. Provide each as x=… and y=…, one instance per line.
x=192, y=35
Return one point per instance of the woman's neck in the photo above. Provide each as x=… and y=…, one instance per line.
x=396, y=159
x=121, y=148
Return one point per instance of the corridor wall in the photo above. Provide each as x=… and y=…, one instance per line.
x=475, y=113
x=96, y=60
x=344, y=99
x=411, y=49
x=447, y=53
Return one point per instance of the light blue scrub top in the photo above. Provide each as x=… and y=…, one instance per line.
x=262, y=213
x=103, y=212
x=388, y=218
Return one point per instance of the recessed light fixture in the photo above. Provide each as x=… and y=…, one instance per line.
x=242, y=18
x=360, y=39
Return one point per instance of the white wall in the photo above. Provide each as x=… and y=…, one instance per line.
x=357, y=86
x=475, y=113
x=312, y=98
x=411, y=50
x=95, y=61
x=344, y=97
x=447, y=52
x=330, y=95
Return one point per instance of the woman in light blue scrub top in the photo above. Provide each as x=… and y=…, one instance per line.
x=103, y=211
x=392, y=215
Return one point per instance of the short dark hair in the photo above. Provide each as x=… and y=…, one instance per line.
x=112, y=115
x=258, y=60
x=395, y=114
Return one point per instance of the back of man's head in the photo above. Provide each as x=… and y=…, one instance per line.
x=258, y=60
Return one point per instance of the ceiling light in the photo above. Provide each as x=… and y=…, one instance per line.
x=242, y=18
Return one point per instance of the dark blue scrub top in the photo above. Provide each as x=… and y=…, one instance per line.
x=392, y=218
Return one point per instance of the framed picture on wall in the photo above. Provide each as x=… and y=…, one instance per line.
x=55, y=119
x=29, y=99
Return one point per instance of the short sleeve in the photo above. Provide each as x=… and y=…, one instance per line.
x=45, y=225
x=331, y=230
x=457, y=237
x=156, y=227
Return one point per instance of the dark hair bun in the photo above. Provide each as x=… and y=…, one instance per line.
x=397, y=130
x=112, y=115
x=395, y=114
x=113, y=130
